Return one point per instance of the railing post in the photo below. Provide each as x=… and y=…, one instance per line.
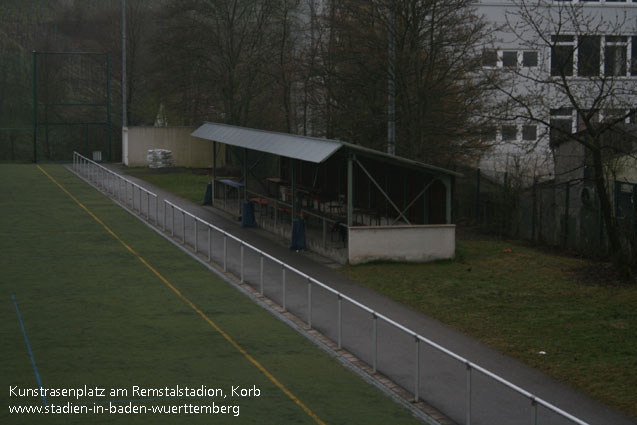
x=196, y=235
x=339, y=321
x=209, y=244
x=417, y=370
x=283, y=288
x=374, y=342
x=172, y=217
x=148, y=206
x=276, y=212
x=164, y=215
x=241, y=263
x=468, y=396
x=324, y=232
x=225, y=253
x=183, y=227
x=156, y=211
x=534, y=406
x=261, y=274
x=140, y=201
x=309, y=303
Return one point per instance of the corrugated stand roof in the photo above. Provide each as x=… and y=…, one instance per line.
x=311, y=149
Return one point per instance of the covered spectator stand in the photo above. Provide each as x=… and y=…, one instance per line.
x=358, y=204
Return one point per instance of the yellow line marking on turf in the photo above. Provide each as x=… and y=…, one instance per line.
x=228, y=338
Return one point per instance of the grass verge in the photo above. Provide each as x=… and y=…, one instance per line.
x=188, y=183
x=523, y=301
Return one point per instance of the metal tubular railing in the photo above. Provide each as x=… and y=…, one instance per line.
x=111, y=183
x=82, y=165
x=376, y=316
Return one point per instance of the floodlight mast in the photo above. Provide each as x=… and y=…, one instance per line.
x=35, y=106
x=391, y=82
x=124, y=111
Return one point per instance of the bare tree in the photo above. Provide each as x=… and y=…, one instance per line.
x=439, y=94
x=577, y=93
x=217, y=55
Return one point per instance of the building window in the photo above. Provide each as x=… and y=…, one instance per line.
x=529, y=59
x=594, y=55
x=529, y=132
x=509, y=59
x=612, y=115
x=489, y=134
x=562, y=55
x=626, y=116
x=615, y=55
x=561, y=124
x=509, y=133
x=588, y=56
x=490, y=58
x=512, y=133
x=591, y=115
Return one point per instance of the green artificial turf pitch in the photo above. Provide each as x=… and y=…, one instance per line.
x=96, y=316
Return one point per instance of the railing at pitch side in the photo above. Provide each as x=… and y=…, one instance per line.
x=117, y=186
x=98, y=172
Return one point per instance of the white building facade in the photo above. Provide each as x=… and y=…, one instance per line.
x=561, y=64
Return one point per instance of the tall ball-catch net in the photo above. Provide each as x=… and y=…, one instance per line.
x=71, y=97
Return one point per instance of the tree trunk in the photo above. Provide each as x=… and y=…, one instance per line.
x=620, y=258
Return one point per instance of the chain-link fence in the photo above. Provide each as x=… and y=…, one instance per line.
x=565, y=214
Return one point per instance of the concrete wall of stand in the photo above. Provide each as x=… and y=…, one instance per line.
x=401, y=243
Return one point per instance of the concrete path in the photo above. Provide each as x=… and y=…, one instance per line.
x=442, y=381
